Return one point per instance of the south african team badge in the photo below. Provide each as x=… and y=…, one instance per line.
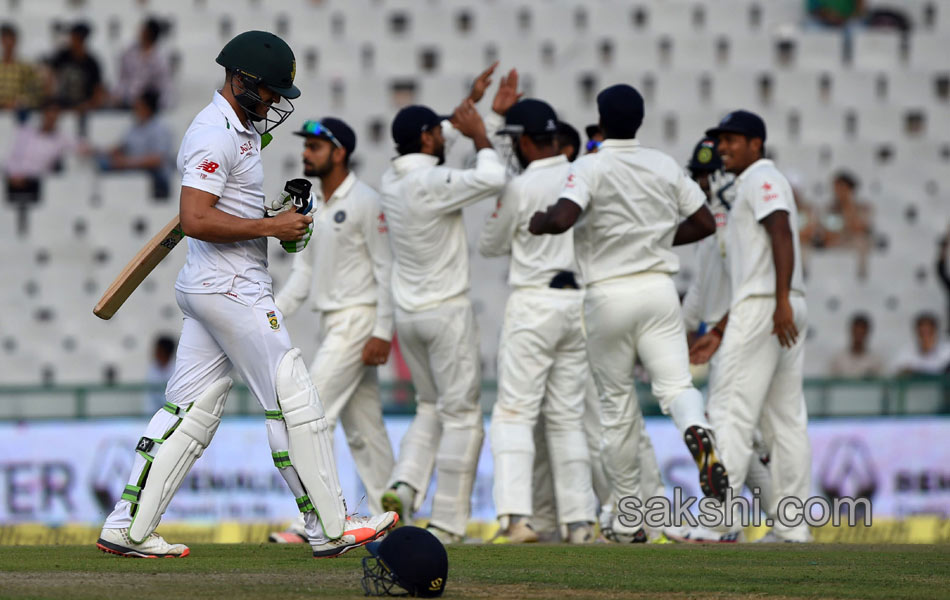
x=272, y=319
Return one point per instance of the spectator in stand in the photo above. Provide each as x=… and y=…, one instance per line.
x=147, y=146
x=857, y=360
x=847, y=222
x=22, y=85
x=942, y=271
x=929, y=355
x=846, y=15
x=37, y=152
x=77, y=78
x=144, y=66
x=159, y=372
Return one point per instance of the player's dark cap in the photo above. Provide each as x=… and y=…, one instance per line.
x=621, y=110
x=264, y=58
x=331, y=129
x=705, y=159
x=409, y=558
x=530, y=117
x=411, y=121
x=80, y=29
x=742, y=122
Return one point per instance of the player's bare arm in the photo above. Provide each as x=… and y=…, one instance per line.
x=507, y=93
x=481, y=83
x=376, y=351
x=200, y=219
x=469, y=123
x=703, y=348
x=697, y=226
x=783, y=256
x=556, y=219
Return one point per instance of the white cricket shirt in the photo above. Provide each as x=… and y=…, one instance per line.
x=347, y=262
x=423, y=206
x=220, y=156
x=633, y=199
x=535, y=259
x=760, y=190
x=708, y=298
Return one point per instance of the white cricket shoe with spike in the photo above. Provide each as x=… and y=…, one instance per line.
x=116, y=541
x=356, y=532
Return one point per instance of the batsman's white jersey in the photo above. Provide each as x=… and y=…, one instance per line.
x=633, y=199
x=436, y=325
x=230, y=318
x=542, y=359
x=345, y=269
x=758, y=382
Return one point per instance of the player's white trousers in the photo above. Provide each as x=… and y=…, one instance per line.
x=627, y=317
x=221, y=332
x=760, y=383
x=349, y=391
x=440, y=346
x=542, y=369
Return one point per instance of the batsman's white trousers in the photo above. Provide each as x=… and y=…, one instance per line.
x=542, y=369
x=349, y=391
x=760, y=383
x=440, y=346
x=220, y=332
x=626, y=317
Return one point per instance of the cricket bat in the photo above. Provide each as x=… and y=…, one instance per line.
x=138, y=269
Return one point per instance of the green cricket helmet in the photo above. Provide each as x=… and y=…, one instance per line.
x=260, y=58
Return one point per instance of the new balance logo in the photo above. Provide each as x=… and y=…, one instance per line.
x=208, y=167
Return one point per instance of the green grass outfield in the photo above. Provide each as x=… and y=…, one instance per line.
x=236, y=571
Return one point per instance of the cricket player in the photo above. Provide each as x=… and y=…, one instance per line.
x=423, y=202
x=346, y=270
x=542, y=360
x=637, y=203
x=231, y=320
x=759, y=375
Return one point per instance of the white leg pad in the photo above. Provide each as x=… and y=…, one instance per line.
x=512, y=446
x=176, y=455
x=570, y=464
x=310, y=443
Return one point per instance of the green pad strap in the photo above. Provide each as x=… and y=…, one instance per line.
x=281, y=459
x=132, y=493
x=304, y=504
x=173, y=409
x=274, y=414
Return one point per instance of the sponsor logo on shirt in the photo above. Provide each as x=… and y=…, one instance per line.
x=247, y=147
x=272, y=319
x=494, y=215
x=207, y=166
x=340, y=216
x=570, y=181
x=381, y=226
x=768, y=195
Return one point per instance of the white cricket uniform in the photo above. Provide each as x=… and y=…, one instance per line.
x=542, y=356
x=224, y=291
x=633, y=199
x=435, y=323
x=760, y=382
x=345, y=269
x=707, y=301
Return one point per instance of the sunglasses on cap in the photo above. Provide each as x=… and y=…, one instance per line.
x=593, y=145
x=318, y=128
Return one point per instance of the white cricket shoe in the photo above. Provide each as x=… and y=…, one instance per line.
x=116, y=541
x=580, y=533
x=446, y=537
x=519, y=532
x=399, y=499
x=702, y=535
x=772, y=538
x=356, y=532
x=296, y=533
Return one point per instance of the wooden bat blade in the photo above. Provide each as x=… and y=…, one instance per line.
x=138, y=269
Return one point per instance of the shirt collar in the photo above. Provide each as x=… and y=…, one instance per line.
x=621, y=143
x=228, y=111
x=759, y=163
x=344, y=188
x=543, y=163
x=410, y=162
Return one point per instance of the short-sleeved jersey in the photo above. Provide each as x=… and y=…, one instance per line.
x=220, y=156
x=535, y=259
x=423, y=205
x=760, y=190
x=633, y=199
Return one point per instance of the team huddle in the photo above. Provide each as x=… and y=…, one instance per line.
x=590, y=244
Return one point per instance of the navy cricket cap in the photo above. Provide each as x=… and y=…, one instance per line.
x=409, y=557
x=742, y=122
x=530, y=117
x=329, y=128
x=705, y=159
x=621, y=109
x=411, y=121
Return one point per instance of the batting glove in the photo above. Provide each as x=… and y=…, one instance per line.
x=298, y=245
x=284, y=202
